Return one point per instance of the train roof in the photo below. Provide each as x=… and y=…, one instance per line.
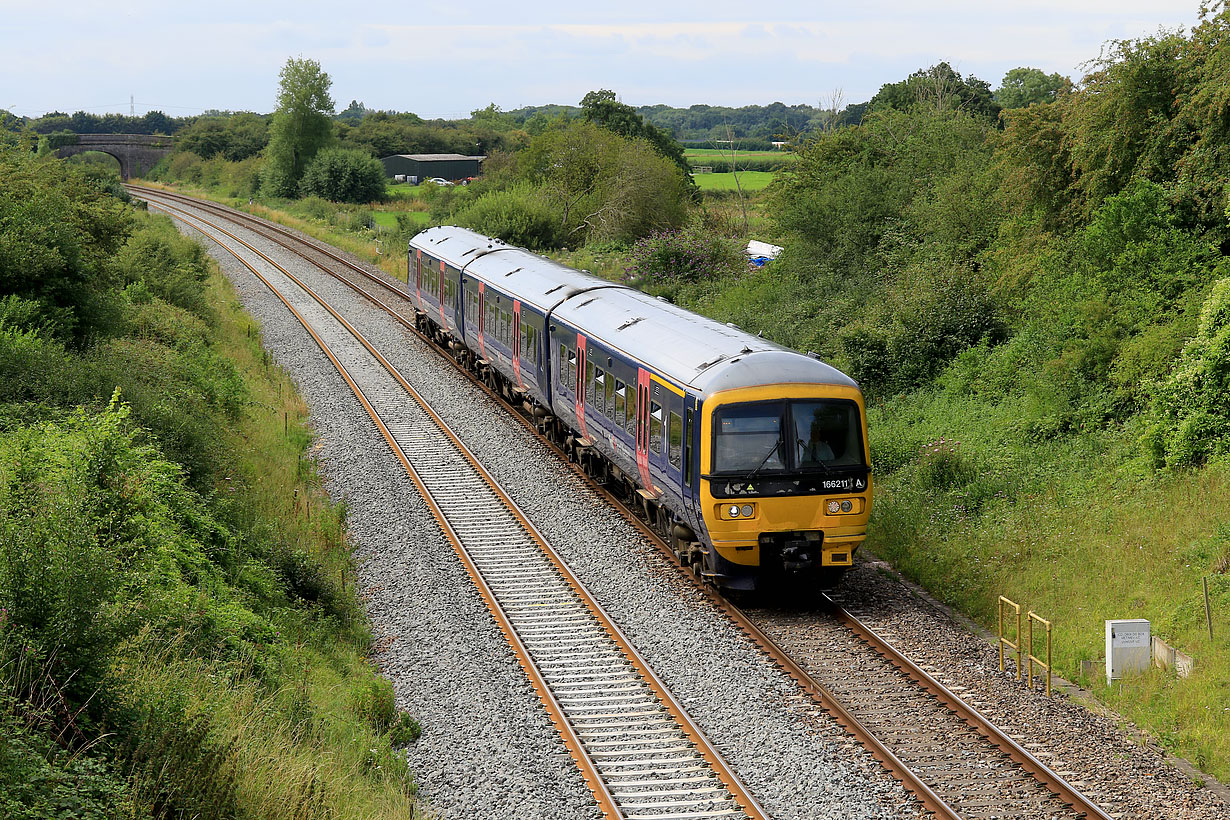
x=525, y=275
x=690, y=349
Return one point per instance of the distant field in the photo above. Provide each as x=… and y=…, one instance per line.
x=388, y=219
x=724, y=153
x=400, y=190
x=748, y=181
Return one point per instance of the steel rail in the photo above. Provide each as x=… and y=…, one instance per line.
x=911, y=781
x=268, y=225
x=590, y=769
x=983, y=726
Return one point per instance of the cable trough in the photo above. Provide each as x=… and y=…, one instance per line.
x=640, y=753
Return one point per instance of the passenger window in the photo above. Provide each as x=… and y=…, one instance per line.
x=675, y=442
x=599, y=390
x=589, y=381
x=609, y=389
x=571, y=369
x=620, y=403
x=655, y=427
x=630, y=421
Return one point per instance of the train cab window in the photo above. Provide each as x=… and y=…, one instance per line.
x=599, y=399
x=826, y=434
x=749, y=437
x=621, y=403
x=674, y=442
x=589, y=381
x=609, y=388
x=655, y=428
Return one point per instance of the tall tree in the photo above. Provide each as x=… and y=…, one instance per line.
x=1023, y=87
x=301, y=125
x=938, y=87
x=601, y=108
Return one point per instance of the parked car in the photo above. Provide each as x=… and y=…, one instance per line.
x=439, y=181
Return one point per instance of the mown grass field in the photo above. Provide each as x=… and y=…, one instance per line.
x=748, y=180
x=725, y=153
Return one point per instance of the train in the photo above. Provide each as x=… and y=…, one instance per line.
x=750, y=459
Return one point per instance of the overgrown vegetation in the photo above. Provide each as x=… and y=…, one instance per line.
x=1049, y=288
x=179, y=630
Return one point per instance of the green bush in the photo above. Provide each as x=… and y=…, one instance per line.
x=689, y=255
x=344, y=175
x=518, y=215
x=1190, y=409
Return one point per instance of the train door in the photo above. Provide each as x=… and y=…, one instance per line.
x=642, y=429
x=691, y=450
x=443, y=283
x=516, y=342
x=482, y=319
x=582, y=355
x=418, y=276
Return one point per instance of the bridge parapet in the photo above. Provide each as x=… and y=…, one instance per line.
x=136, y=153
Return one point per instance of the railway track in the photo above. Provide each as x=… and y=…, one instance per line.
x=957, y=763
x=641, y=755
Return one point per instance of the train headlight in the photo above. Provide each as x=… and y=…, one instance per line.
x=747, y=511
x=733, y=511
x=844, y=506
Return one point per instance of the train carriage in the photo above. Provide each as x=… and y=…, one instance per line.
x=753, y=458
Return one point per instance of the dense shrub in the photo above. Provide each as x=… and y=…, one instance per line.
x=344, y=175
x=1191, y=407
x=517, y=215
x=688, y=255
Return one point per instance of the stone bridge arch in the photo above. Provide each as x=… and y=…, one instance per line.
x=136, y=153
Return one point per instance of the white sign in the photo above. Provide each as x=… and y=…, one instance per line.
x=1129, y=649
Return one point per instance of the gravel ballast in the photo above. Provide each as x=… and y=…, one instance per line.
x=486, y=738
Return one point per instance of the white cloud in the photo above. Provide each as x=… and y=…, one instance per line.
x=442, y=56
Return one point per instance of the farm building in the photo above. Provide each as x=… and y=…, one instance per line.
x=418, y=167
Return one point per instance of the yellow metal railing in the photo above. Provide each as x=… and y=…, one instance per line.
x=1029, y=679
x=1005, y=604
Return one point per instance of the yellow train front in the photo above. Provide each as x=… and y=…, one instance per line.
x=785, y=485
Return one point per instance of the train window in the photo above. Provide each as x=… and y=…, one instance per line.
x=524, y=331
x=655, y=427
x=609, y=389
x=599, y=399
x=589, y=381
x=675, y=440
x=621, y=403
x=630, y=421
x=571, y=371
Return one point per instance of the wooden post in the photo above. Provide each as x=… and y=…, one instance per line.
x=1208, y=613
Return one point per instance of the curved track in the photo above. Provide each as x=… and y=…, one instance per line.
x=640, y=753
x=957, y=763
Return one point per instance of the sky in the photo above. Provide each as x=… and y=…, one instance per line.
x=445, y=59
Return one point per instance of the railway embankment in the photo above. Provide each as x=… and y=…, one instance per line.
x=179, y=623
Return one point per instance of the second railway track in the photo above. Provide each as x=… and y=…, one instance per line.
x=957, y=763
x=640, y=753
